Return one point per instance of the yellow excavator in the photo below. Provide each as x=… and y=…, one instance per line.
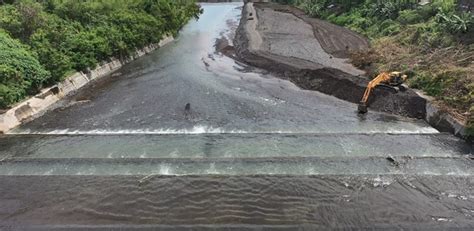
x=391, y=80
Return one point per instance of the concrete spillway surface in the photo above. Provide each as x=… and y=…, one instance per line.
x=234, y=154
x=251, y=151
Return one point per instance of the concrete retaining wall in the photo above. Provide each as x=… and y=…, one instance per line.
x=442, y=120
x=40, y=102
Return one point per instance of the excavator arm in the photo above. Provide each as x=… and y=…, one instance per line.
x=384, y=78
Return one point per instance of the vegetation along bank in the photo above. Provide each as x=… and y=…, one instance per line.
x=433, y=42
x=44, y=41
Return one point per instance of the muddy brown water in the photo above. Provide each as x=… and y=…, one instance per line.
x=250, y=152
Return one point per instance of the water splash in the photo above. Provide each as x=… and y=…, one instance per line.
x=382, y=181
x=202, y=129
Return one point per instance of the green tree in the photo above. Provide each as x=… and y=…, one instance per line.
x=20, y=71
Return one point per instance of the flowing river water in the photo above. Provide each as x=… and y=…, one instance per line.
x=186, y=138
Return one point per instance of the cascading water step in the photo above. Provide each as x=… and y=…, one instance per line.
x=231, y=145
x=239, y=166
x=235, y=154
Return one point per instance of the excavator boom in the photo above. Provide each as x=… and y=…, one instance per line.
x=385, y=78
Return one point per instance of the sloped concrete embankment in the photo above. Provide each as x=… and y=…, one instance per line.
x=269, y=35
x=41, y=102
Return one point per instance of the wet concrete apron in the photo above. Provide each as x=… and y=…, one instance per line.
x=186, y=138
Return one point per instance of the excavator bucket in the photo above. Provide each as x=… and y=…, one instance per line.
x=362, y=108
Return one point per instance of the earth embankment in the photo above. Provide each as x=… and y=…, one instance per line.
x=313, y=54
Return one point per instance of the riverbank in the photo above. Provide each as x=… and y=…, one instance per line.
x=263, y=39
x=38, y=104
x=43, y=42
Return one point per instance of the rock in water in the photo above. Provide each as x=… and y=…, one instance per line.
x=393, y=161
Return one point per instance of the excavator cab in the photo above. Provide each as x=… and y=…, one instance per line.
x=392, y=80
x=397, y=79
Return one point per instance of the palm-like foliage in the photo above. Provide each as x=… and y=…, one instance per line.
x=455, y=23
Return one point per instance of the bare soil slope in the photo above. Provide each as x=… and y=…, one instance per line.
x=335, y=40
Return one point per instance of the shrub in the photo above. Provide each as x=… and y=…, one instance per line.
x=10, y=20
x=426, y=12
x=432, y=86
x=385, y=10
x=410, y=17
x=57, y=62
x=342, y=20
x=20, y=71
x=314, y=8
x=455, y=23
x=389, y=27
x=445, y=5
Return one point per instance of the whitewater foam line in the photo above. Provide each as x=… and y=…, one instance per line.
x=167, y=173
x=198, y=130
x=192, y=131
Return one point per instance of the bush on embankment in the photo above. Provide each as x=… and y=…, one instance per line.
x=20, y=70
x=434, y=43
x=42, y=41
